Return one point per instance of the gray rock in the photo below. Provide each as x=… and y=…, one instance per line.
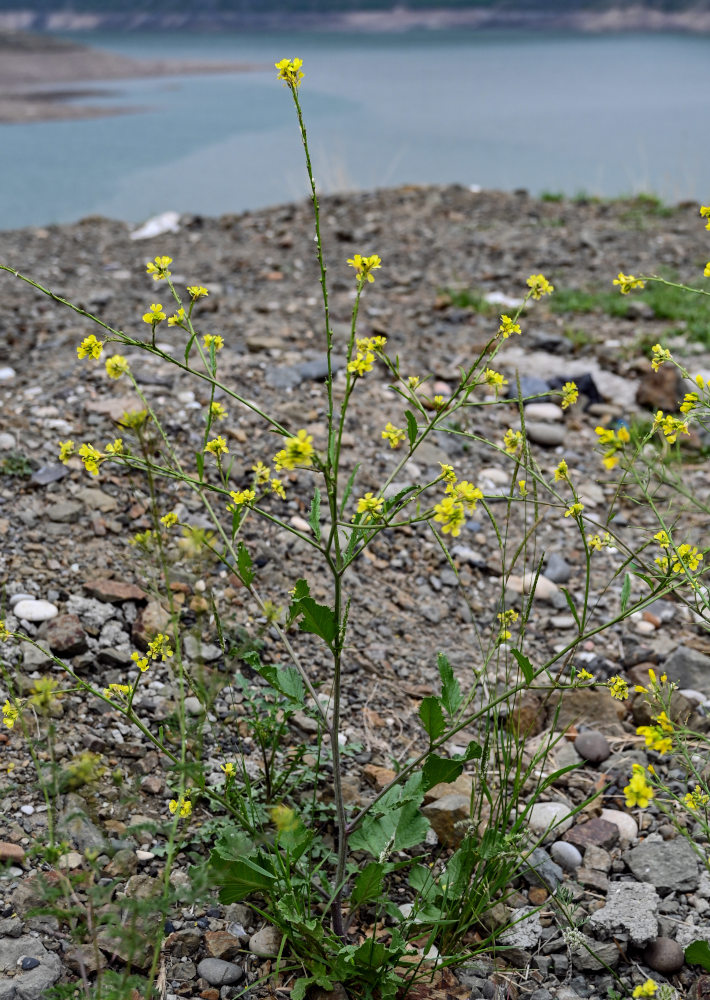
x=36, y=656
x=595, y=956
x=531, y=385
x=93, y=614
x=665, y=864
x=557, y=569
x=541, y=870
x=193, y=706
x=47, y=474
x=592, y=746
x=266, y=942
x=689, y=669
x=548, y=435
x=33, y=982
x=196, y=650
x=630, y=909
x=76, y=827
x=664, y=955
x=16, y=598
x=35, y=611
x=552, y=816
x=525, y=932
x=65, y=512
x=566, y=855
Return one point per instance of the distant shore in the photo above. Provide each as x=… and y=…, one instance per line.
x=35, y=71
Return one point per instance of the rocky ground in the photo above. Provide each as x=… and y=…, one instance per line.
x=66, y=544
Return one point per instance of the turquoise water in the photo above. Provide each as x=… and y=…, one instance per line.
x=609, y=115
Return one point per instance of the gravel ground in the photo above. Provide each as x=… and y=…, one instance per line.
x=65, y=540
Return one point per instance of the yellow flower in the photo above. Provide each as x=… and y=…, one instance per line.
x=181, y=806
x=705, y=213
x=159, y=648
x=663, y=540
x=370, y=506
x=687, y=557
x=561, y=472
x=659, y=355
x=10, y=714
x=169, y=519
x=278, y=488
x=115, y=447
x=570, y=395
x=298, y=450
x=91, y=458
x=217, y=410
x=90, y=347
x=638, y=792
x=656, y=738
x=140, y=661
x=627, y=282
x=506, y=619
x=116, y=366
x=447, y=473
x=290, y=72
x=507, y=326
x=450, y=514
x=574, y=510
x=583, y=675
x=618, y=688
x=494, y=379
x=284, y=818
x=178, y=318
x=413, y=381
x=154, y=315
x=670, y=425
x=4, y=632
x=197, y=292
x=116, y=689
x=160, y=268
x=229, y=769
x=361, y=363
x=66, y=450
x=539, y=286
x=697, y=799
x=512, y=441
x=648, y=989
x=706, y=272
x=364, y=266
x=213, y=338
x=217, y=446
x=261, y=473
x=370, y=343
x=690, y=402
x=395, y=435
x=466, y=493
x=614, y=442
x=522, y=488
x=244, y=496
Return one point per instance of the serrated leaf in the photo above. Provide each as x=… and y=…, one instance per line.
x=526, y=667
x=571, y=605
x=412, y=827
x=432, y=717
x=411, y=427
x=314, y=515
x=368, y=884
x=301, y=589
x=698, y=953
x=239, y=879
x=440, y=770
x=245, y=566
x=287, y=680
x=317, y=618
x=450, y=690
x=625, y=592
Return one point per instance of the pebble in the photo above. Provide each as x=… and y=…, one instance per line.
x=266, y=942
x=545, y=589
x=557, y=568
x=35, y=611
x=217, y=972
x=193, y=706
x=664, y=955
x=596, y=832
x=566, y=855
x=16, y=598
x=548, y=435
x=547, y=412
x=553, y=816
x=592, y=746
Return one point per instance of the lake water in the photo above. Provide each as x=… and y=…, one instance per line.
x=609, y=115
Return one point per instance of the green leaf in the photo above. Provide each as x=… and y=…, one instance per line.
x=298, y=990
x=188, y=348
x=412, y=827
x=698, y=953
x=411, y=427
x=450, y=690
x=287, y=680
x=438, y=770
x=200, y=464
x=314, y=516
x=349, y=487
x=526, y=667
x=571, y=606
x=371, y=954
x=317, y=618
x=432, y=717
x=245, y=566
x=239, y=879
x=625, y=592
x=368, y=884
x=301, y=589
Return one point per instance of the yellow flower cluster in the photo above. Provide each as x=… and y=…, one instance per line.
x=297, y=450
x=4, y=632
x=240, y=499
x=670, y=425
x=90, y=347
x=613, y=441
x=395, y=435
x=169, y=520
x=562, y=472
x=574, y=509
x=159, y=648
x=217, y=446
x=506, y=619
x=597, y=542
x=197, y=292
x=697, y=799
x=657, y=737
x=494, y=379
x=116, y=366
x=638, y=791
x=218, y=411
x=159, y=269
x=647, y=989
x=284, y=818
x=370, y=506
x=618, y=688
x=507, y=327
x=690, y=402
x=461, y=498
x=364, y=266
x=212, y=340
x=230, y=770
x=685, y=557
x=89, y=455
x=627, y=283
x=178, y=318
x=117, y=690
x=290, y=72
x=181, y=806
x=659, y=356
x=570, y=395
x=10, y=714
x=512, y=441
x=705, y=213
x=539, y=286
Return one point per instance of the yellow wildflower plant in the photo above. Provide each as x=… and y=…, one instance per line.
x=656, y=737
x=364, y=266
x=154, y=315
x=705, y=213
x=583, y=675
x=638, y=792
x=117, y=690
x=284, y=818
x=169, y=520
x=116, y=366
x=512, y=441
x=627, y=283
x=91, y=458
x=574, y=509
x=290, y=72
x=212, y=339
x=197, y=292
x=297, y=451
x=181, y=806
x=663, y=540
x=697, y=799
x=647, y=989
x=507, y=327
x=613, y=441
x=618, y=688
x=659, y=356
x=90, y=347
x=217, y=446
x=450, y=514
x=178, y=318
x=495, y=380
x=394, y=435
x=522, y=488
x=570, y=395
x=115, y=447
x=240, y=498
x=261, y=473
x=447, y=473
x=361, y=364
x=159, y=268
x=66, y=450
x=277, y=487
x=562, y=472
x=466, y=493
x=142, y=662
x=506, y=619
x=10, y=714
x=5, y=633
x=230, y=770
x=413, y=381
x=159, y=648
x=599, y=542
x=670, y=425
x=539, y=286
x=218, y=411
x=370, y=506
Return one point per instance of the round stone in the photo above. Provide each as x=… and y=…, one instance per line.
x=625, y=824
x=217, y=972
x=266, y=942
x=664, y=955
x=35, y=611
x=592, y=746
x=566, y=855
x=548, y=412
x=548, y=435
x=552, y=816
x=28, y=962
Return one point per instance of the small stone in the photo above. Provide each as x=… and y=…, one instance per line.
x=151, y=620
x=193, y=706
x=11, y=852
x=222, y=944
x=113, y=591
x=625, y=824
x=70, y=861
x=547, y=412
x=35, y=611
x=47, y=474
x=65, y=512
x=27, y=962
x=548, y=435
x=66, y=636
x=665, y=864
x=664, y=955
x=540, y=869
x=445, y=815
x=525, y=932
x=566, y=855
x=153, y=784
x=630, y=909
x=592, y=746
x=266, y=943
x=550, y=816
x=595, y=831
x=557, y=569
x=545, y=589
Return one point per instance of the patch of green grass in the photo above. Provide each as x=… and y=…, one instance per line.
x=643, y=206
x=470, y=298
x=16, y=464
x=577, y=337
x=551, y=196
